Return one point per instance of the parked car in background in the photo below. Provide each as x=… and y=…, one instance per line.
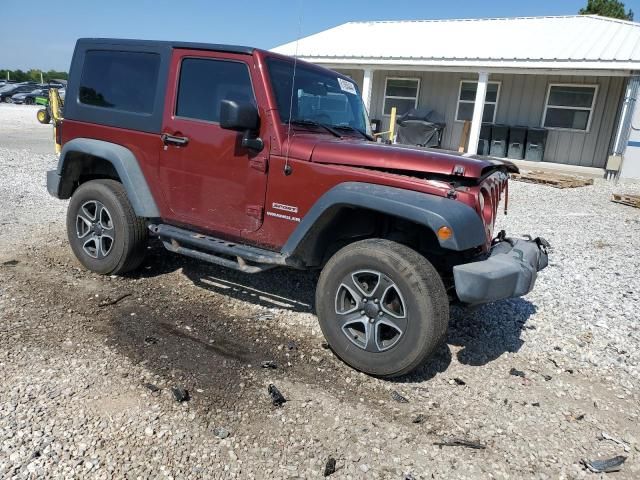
x=29, y=98
x=10, y=90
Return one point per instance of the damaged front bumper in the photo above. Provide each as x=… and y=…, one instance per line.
x=509, y=271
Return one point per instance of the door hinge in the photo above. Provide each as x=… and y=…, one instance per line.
x=259, y=163
x=255, y=211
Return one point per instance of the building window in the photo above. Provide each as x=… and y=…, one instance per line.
x=204, y=83
x=401, y=93
x=467, y=99
x=569, y=107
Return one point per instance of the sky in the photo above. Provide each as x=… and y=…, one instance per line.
x=41, y=34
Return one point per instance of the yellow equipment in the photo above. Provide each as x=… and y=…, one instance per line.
x=392, y=126
x=52, y=113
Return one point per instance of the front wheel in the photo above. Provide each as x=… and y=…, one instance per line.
x=105, y=234
x=382, y=307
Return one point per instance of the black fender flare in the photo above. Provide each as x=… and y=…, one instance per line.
x=123, y=161
x=421, y=208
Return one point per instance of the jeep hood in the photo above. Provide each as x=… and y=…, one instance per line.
x=398, y=158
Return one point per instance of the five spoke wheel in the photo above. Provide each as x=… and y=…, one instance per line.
x=94, y=227
x=371, y=310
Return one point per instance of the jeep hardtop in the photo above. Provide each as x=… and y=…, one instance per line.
x=251, y=160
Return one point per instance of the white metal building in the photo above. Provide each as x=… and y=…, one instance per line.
x=573, y=75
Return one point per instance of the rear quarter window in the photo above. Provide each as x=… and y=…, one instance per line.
x=116, y=80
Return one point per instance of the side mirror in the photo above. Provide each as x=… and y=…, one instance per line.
x=239, y=116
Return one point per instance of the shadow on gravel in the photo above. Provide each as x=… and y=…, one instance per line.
x=290, y=289
x=484, y=333
x=489, y=331
x=278, y=288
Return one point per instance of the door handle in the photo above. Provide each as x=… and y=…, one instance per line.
x=174, y=140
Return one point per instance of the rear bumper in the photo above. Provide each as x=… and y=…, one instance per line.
x=510, y=271
x=53, y=183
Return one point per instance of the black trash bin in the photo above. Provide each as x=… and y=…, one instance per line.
x=499, y=138
x=484, y=145
x=536, y=141
x=517, y=137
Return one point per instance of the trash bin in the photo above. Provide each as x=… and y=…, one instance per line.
x=517, y=136
x=484, y=145
x=536, y=141
x=499, y=137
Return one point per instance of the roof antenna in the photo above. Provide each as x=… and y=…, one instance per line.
x=287, y=168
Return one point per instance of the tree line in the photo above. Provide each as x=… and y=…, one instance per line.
x=32, y=75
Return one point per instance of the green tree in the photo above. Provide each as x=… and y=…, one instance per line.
x=607, y=8
x=32, y=75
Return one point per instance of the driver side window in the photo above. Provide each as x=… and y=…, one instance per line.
x=204, y=83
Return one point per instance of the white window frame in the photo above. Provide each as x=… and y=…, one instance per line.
x=384, y=102
x=495, y=104
x=595, y=86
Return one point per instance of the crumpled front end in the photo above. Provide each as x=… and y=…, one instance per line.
x=509, y=271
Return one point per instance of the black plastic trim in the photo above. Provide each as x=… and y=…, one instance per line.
x=59, y=182
x=424, y=209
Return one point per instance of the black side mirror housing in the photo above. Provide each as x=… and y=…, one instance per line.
x=239, y=116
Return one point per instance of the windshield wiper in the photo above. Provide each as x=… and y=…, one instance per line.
x=329, y=129
x=353, y=129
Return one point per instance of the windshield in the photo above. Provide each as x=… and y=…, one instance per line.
x=318, y=97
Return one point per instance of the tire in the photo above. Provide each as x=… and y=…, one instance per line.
x=28, y=101
x=104, y=232
x=43, y=116
x=407, y=320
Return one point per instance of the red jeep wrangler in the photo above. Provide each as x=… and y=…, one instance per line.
x=251, y=160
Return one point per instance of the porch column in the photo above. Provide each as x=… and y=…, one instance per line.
x=367, y=84
x=478, y=110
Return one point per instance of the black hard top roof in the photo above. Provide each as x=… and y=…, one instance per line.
x=164, y=43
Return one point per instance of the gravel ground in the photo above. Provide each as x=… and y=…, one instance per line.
x=79, y=371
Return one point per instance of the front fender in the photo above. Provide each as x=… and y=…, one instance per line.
x=421, y=208
x=60, y=181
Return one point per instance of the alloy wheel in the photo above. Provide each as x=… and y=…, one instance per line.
x=371, y=310
x=94, y=227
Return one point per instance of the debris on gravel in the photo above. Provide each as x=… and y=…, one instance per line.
x=606, y=436
x=420, y=418
x=118, y=299
x=180, y=394
x=516, y=373
x=277, y=399
x=329, y=467
x=460, y=442
x=152, y=388
x=269, y=364
x=398, y=398
x=221, y=432
x=605, y=466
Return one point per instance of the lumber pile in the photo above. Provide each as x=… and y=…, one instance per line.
x=557, y=180
x=626, y=199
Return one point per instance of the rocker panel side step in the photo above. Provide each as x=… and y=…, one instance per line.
x=240, y=265
x=175, y=238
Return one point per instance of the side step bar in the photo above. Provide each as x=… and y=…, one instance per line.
x=211, y=249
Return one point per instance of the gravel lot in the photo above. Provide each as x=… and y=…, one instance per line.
x=75, y=393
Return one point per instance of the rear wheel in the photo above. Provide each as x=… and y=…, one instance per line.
x=382, y=307
x=104, y=232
